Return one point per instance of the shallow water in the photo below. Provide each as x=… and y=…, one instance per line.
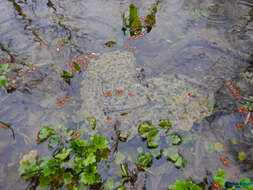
x=208, y=42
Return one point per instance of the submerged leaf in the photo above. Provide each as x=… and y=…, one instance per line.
x=66, y=74
x=92, y=121
x=174, y=139
x=241, y=156
x=3, y=81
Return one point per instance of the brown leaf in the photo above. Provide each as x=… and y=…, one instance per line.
x=79, y=107
x=240, y=126
x=216, y=186
x=224, y=160
x=124, y=113
x=107, y=94
x=119, y=92
x=76, y=135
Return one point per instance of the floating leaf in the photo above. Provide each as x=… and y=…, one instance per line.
x=144, y=160
x=174, y=139
x=45, y=132
x=220, y=178
x=171, y=153
x=180, y=162
x=165, y=124
x=147, y=130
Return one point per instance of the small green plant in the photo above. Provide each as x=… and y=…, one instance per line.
x=66, y=74
x=75, y=162
x=184, y=185
x=134, y=23
x=144, y=161
x=151, y=133
x=110, y=43
x=148, y=131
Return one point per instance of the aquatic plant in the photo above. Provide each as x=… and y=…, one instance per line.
x=74, y=161
x=184, y=185
x=150, y=133
x=135, y=24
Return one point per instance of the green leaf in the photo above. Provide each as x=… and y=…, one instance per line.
x=241, y=156
x=220, y=178
x=4, y=68
x=78, y=145
x=165, y=124
x=144, y=160
x=54, y=141
x=45, y=132
x=44, y=181
x=89, y=176
x=91, y=158
x=174, y=139
x=28, y=166
x=77, y=67
x=67, y=177
x=99, y=142
x=134, y=21
x=124, y=170
x=180, y=162
x=145, y=127
x=109, y=184
x=153, y=142
x=171, y=153
x=92, y=121
x=3, y=81
x=184, y=185
x=66, y=74
x=63, y=154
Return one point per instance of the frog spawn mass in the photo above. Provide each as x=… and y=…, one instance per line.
x=111, y=88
